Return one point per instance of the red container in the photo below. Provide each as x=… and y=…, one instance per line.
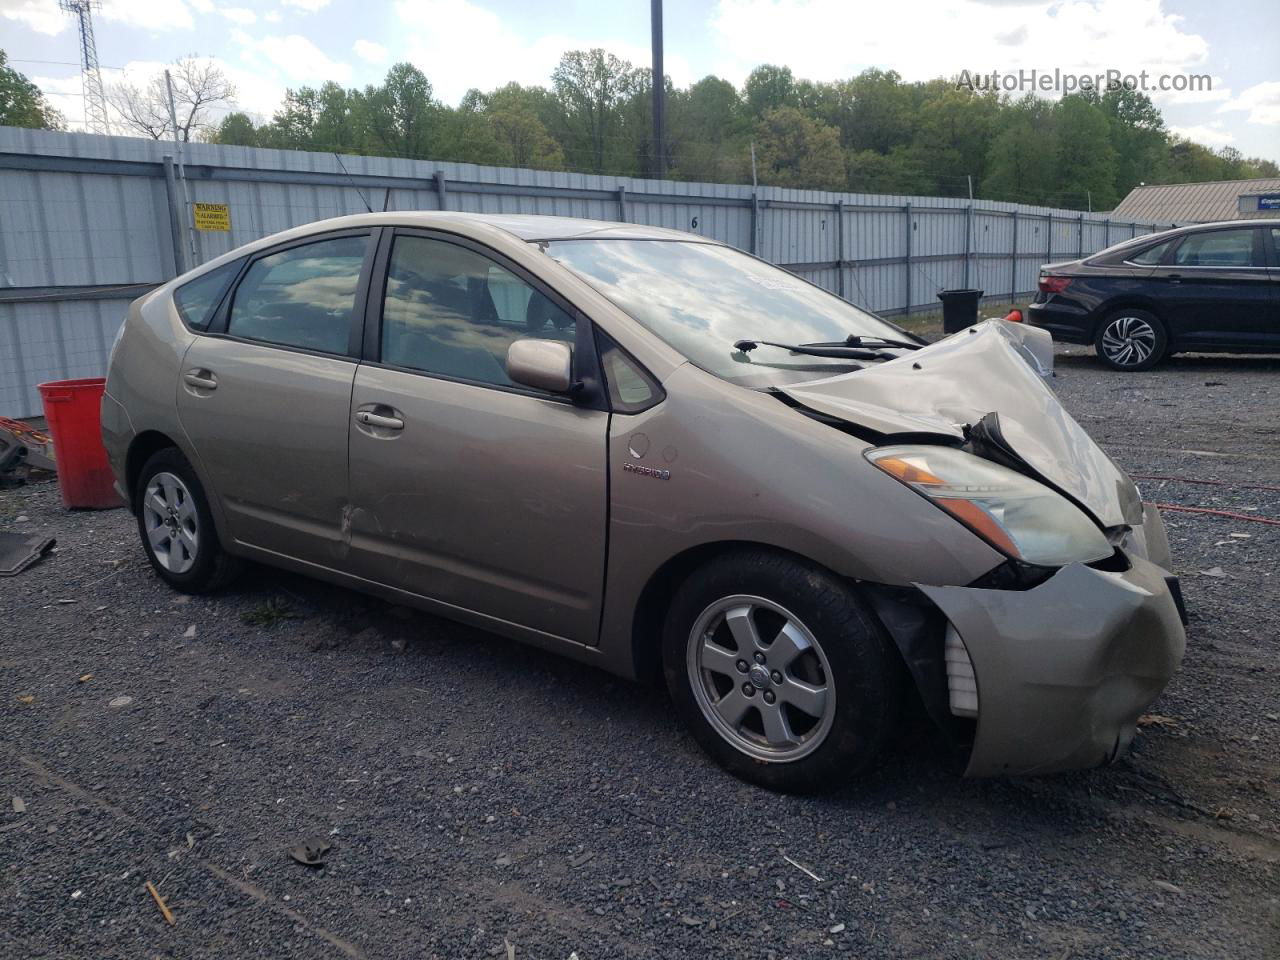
x=73, y=409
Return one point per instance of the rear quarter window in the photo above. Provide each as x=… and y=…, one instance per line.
x=197, y=299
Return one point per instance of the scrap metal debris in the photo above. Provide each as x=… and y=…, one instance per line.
x=19, y=805
x=19, y=551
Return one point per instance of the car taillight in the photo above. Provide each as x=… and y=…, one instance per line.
x=1054, y=284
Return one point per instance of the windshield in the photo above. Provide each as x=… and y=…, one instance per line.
x=701, y=298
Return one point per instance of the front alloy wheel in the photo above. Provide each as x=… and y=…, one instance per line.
x=779, y=670
x=760, y=678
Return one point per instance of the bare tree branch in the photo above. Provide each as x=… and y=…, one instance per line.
x=198, y=86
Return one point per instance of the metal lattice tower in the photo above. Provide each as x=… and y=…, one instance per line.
x=95, y=101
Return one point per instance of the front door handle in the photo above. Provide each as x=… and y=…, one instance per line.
x=1173, y=277
x=200, y=379
x=378, y=420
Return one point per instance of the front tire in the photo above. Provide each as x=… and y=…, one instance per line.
x=176, y=526
x=1131, y=340
x=780, y=672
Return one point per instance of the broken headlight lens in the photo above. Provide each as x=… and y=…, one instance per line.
x=1014, y=513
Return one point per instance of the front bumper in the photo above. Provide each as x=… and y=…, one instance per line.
x=1064, y=670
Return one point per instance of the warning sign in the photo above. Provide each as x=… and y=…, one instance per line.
x=213, y=216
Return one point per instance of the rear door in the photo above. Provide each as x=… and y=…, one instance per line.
x=466, y=487
x=265, y=394
x=1215, y=290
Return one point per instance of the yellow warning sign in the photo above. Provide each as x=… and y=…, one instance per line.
x=213, y=216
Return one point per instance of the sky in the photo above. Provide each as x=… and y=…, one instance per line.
x=266, y=46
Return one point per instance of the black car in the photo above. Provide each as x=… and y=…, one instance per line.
x=1211, y=288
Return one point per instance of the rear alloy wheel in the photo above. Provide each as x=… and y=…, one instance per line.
x=779, y=670
x=1131, y=340
x=176, y=527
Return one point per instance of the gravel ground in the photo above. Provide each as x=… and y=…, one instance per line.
x=477, y=793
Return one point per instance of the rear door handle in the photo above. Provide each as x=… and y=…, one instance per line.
x=1173, y=277
x=200, y=379
x=378, y=420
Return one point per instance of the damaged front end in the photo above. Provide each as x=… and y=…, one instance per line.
x=1046, y=662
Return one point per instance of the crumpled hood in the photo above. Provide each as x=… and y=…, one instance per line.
x=994, y=367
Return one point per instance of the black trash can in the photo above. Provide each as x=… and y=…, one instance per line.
x=959, y=309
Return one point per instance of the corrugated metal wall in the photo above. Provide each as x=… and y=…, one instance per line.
x=85, y=226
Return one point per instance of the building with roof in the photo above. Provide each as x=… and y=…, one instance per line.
x=1202, y=202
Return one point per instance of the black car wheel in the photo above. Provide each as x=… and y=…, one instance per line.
x=176, y=527
x=1131, y=339
x=780, y=672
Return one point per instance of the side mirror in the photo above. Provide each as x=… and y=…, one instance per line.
x=542, y=364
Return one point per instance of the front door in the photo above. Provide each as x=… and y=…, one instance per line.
x=265, y=397
x=1217, y=291
x=467, y=488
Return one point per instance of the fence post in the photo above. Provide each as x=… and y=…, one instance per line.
x=968, y=242
x=1048, y=254
x=622, y=203
x=755, y=223
x=840, y=247
x=907, y=210
x=175, y=222
x=442, y=193
x=1108, y=233
x=1133, y=230
x=1080, y=237
x=1013, y=266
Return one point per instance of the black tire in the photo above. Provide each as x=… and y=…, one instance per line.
x=865, y=671
x=211, y=566
x=1131, y=340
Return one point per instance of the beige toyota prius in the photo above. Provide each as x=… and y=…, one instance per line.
x=657, y=454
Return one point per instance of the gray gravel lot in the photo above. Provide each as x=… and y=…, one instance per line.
x=477, y=793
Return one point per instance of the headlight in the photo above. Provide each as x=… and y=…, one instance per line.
x=1013, y=513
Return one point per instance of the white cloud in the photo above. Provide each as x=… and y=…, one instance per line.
x=154, y=15
x=1212, y=134
x=42, y=16
x=1262, y=101
x=310, y=6
x=370, y=51
x=271, y=16
x=65, y=94
x=293, y=59
x=831, y=39
x=479, y=48
x=202, y=6
x=239, y=15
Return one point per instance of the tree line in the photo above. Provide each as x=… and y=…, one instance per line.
x=872, y=133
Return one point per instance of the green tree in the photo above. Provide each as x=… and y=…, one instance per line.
x=1138, y=137
x=1086, y=159
x=236, y=129
x=793, y=150
x=21, y=102
x=769, y=87
x=1022, y=159
x=591, y=87
x=881, y=112
x=400, y=113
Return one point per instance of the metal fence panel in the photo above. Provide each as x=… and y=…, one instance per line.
x=86, y=224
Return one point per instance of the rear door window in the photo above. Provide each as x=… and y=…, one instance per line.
x=1219, y=248
x=301, y=297
x=1152, y=256
x=196, y=299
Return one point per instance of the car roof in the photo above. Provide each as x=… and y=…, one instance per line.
x=1215, y=225
x=527, y=227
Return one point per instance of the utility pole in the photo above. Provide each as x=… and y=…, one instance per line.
x=659, y=92
x=754, y=184
x=182, y=173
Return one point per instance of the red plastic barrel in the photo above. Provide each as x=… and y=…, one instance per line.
x=73, y=409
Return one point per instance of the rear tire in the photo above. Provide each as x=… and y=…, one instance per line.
x=1131, y=340
x=176, y=526
x=822, y=684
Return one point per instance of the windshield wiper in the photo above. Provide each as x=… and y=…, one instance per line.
x=853, y=340
x=841, y=351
